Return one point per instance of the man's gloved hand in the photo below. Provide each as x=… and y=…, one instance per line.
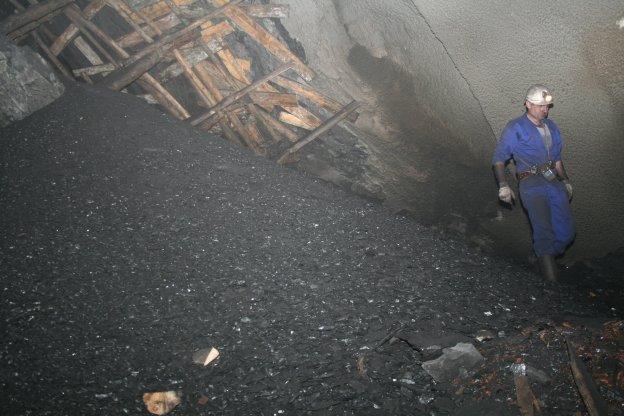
x=505, y=193
x=568, y=187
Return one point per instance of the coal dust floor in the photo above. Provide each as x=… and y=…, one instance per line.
x=129, y=241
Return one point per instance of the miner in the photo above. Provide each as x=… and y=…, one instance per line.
x=534, y=142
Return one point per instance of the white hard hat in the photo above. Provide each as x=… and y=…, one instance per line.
x=539, y=95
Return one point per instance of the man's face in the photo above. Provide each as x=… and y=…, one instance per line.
x=538, y=112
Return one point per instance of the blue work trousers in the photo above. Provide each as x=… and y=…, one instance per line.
x=549, y=211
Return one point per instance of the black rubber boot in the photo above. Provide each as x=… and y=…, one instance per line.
x=549, y=268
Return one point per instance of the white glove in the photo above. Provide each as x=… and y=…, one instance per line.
x=568, y=187
x=505, y=193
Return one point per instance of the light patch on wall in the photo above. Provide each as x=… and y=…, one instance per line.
x=620, y=23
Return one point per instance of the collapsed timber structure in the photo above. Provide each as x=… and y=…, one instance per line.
x=168, y=39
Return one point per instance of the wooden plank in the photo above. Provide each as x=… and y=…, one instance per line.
x=21, y=33
x=77, y=17
x=32, y=14
x=53, y=58
x=206, y=78
x=276, y=125
x=254, y=133
x=335, y=119
x=272, y=132
x=195, y=81
x=244, y=133
x=123, y=77
x=163, y=25
x=184, y=32
x=594, y=403
x=309, y=93
x=126, y=14
x=262, y=36
x=230, y=62
x=273, y=98
x=94, y=70
x=239, y=94
x=277, y=11
x=305, y=115
x=525, y=398
x=163, y=96
x=77, y=20
x=42, y=45
x=219, y=30
x=87, y=51
x=286, y=117
x=68, y=34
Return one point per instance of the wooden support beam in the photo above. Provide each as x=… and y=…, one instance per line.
x=32, y=14
x=125, y=76
x=594, y=403
x=76, y=16
x=71, y=31
x=76, y=19
x=163, y=96
x=288, y=118
x=87, y=51
x=303, y=116
x=184, y=32
x=262, y=36
x=146, y=80
x=239, y=94
x=21, y=33
x=42, y=45
x=525, y=398
x=335, y=119
x=312, y=95
x=126, y=13
x=272, y=132
x=94, y=70
x=276, y=125
x=53, y=58
x=157, y=28
x=273, y=98
x=221, y=29
x=206, y=78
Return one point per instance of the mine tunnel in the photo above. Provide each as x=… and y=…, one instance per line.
x=289, y=207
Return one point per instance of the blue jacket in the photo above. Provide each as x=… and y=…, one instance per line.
x=522, y=141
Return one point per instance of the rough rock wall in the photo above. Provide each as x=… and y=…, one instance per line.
x=27, y=83
x=441, y=79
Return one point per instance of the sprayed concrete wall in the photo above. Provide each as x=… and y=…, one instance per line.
x=441, y=79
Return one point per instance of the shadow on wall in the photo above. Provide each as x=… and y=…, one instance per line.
x=437, y=183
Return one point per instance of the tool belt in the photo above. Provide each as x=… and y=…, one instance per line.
x=545, y=170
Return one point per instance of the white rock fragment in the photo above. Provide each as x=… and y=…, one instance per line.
x=205, y=356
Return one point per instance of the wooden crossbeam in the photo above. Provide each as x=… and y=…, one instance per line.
x=276, y=125
x=125, y=76
x=126, y=13
x=335, y=119
x=262, y=36
x=271, y=99
x=312, y=95
x=595, y=404
x=72, y=30
x=163, y=24
x=173, y=37
x=42, y=45
x=32, y=14
x=239, y=94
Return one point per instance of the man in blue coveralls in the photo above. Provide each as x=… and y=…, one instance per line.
x=535, y=144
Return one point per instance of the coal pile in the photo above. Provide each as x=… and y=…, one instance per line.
x=130, y=241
